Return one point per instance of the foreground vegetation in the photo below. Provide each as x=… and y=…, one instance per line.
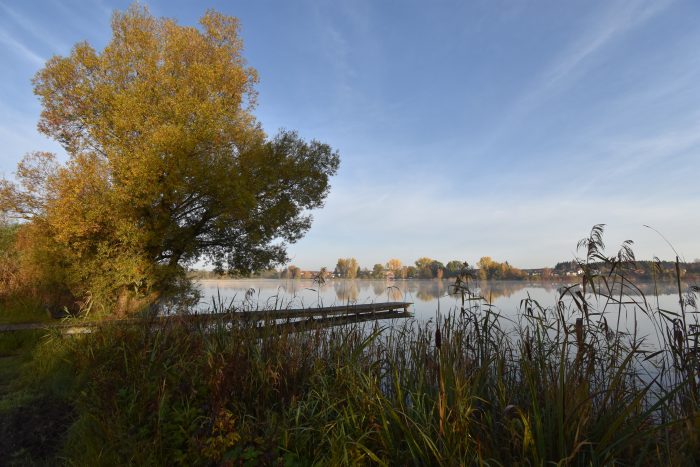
x=166, y=166
x=566, y=384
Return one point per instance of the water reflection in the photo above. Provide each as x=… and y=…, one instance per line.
x=346, y=291
x=426, y=295
x=430, y=297
x=394, y=294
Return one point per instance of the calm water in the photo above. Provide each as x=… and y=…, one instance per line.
x=428, y=297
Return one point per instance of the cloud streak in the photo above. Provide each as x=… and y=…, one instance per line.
x=571, y=64
x=30, y=26
x=619, y=18
x=22, y=50
x=375, y=225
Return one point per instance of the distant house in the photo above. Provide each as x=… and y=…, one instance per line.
x=315, y=274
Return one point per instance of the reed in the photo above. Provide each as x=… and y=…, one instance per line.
x=573, y=383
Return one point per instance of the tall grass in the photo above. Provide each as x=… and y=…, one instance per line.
x=573, y=383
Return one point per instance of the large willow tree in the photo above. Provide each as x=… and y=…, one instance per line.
x=167, y=164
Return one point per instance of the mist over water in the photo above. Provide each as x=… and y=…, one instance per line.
x=428, y=297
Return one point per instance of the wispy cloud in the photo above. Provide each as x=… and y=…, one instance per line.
x=19, y=136
x=615, y=21
x=21, y=49
x=31, y=27
x=629, y=158
x=84, y=23
x=335, y=47
x=375, y=225
x=571, y=64
x=105, y=9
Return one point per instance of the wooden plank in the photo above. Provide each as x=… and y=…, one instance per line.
x=277, y=327
x=338, y=320
x=322, y=311
x=367, y=311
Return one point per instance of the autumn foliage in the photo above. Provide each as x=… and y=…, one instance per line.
x=167, y=165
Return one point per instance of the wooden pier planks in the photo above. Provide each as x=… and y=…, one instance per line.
x=321, y=316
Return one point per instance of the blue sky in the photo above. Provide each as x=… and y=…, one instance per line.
x=465, y=129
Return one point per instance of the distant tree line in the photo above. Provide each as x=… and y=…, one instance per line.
x=493, y=270
x=428, y=268
x=485, y=269
x=640, y=269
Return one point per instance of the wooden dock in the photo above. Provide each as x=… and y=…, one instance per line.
x=289, y=320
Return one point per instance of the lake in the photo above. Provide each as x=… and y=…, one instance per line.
x=430, y=296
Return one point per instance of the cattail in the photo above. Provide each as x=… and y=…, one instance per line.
x=579, y=331
x=678, y=336
x=442, y=402
x=528, y=347
x=528, y=350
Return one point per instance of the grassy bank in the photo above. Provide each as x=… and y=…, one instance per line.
x=573, y=384
x=474, y=388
